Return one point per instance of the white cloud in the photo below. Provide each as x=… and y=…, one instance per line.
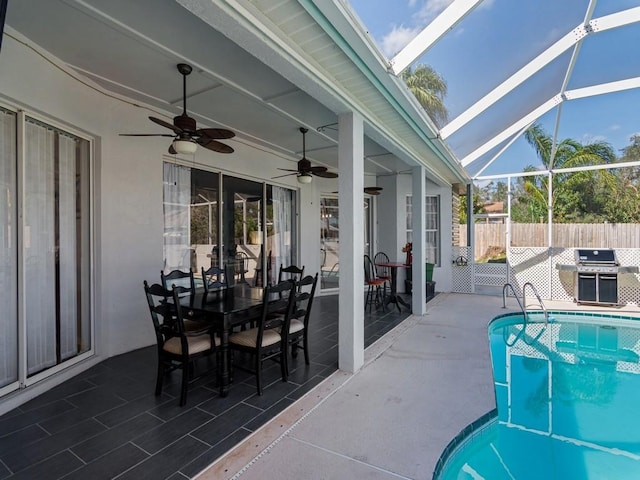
x=398, y=38
x=412, y=3
x=431, y=9
x=589, y=138
x=615, y=127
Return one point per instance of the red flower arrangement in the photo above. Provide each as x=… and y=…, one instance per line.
x=407, y=249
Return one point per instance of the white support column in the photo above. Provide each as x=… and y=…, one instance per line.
x=419, y=293
x=351, y=283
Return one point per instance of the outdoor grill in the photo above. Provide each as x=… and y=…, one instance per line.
x=596, y=276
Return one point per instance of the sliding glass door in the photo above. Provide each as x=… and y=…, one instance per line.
x=8, y=253
x=44, y=251
x=250, y=235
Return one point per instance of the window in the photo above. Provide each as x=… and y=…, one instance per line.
x=54, y=261
x=432, y=226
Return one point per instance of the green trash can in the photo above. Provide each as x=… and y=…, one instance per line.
x=429, y=271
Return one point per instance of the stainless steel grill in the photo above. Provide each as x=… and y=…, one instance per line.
x=596, y=277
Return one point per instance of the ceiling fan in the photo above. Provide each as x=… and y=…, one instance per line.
x=370, y=190
x=305, y=170
x=186, y=136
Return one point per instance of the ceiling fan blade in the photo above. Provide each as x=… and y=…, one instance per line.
x=146, y=135
x=373, y=190
x=286, y=174
x=214, y=145
x=317, y=169
x=166, y=124
x=215, y=133
x=325, y=174
x=288, y=170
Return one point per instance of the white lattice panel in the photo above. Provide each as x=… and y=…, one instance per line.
x=628, y=283
x=461, y=275
x=530, y=265
x=562, y=282
x=492, y=274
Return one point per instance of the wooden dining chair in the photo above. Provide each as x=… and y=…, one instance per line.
x=179, y=278
x=177, y=348
x=214, y=280
x=264, y=341
x=187, y=282
x=299, y=323
x=373, y=283
x=291, y=272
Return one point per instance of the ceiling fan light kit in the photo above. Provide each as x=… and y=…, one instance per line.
x=185, y=147
x=305, y=178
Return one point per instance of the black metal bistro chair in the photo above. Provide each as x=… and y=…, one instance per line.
x=374, y=297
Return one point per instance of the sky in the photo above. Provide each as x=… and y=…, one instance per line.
x=498, y=38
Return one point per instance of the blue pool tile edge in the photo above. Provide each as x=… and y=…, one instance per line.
x=462, y=438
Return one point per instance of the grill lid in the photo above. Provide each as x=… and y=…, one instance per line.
x=596, y=256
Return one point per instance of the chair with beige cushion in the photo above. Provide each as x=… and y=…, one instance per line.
x=264, y=341
x=177, y=348
x=299, y=323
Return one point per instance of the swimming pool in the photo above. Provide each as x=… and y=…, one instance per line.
x=567, y=396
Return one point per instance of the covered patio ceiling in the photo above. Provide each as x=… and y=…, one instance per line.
x=568, y=66
x=260, y=68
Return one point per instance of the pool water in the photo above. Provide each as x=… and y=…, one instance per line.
x=568, y=402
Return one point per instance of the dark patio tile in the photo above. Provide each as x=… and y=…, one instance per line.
x=110, y=465
x=212, y=454
x=22, y=420
x=25, y=436
x=237, y=393
x=168, y=461
x=4, y=471
x=157, y=438
x=132, y=409
x=171, y=408
x=113, y=438
x=307, y=387
x=268, y=414
x=272, y=393
x=90, y=403
x=71, y=387
x=220, y=427
x=54, y=467
x=19, y=457
x=178, y=476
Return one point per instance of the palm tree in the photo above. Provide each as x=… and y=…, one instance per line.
x=429, y=88
x=575, y=196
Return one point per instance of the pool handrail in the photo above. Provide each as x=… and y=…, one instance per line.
x=515, y=294
x=540, y=302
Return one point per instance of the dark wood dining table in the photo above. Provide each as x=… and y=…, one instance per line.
x=225, y=310
x=393, y=295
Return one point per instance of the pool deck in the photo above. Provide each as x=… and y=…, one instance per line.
x=420, y=385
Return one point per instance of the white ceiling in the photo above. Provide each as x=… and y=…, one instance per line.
x=132, y=48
